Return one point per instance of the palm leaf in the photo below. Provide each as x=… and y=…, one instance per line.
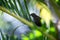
x=13, y=7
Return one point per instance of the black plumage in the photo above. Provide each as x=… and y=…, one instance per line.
x=37, y=19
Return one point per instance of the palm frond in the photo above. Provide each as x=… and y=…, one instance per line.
x=12, y=5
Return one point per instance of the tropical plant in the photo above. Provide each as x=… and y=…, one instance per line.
x=22, y=14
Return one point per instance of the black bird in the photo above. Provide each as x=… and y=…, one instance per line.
x=37, y=19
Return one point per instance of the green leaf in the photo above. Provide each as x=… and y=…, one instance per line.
x=3, y=38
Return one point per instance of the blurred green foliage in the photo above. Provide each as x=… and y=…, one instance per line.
x=35, y=34
x=58, y=2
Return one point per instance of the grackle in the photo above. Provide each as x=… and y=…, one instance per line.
x=37, y=19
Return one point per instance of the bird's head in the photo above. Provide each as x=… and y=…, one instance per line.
x=33, y=15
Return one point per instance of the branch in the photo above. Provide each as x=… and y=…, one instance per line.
x=30, y=24
x=56, y=7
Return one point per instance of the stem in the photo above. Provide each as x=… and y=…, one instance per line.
x=17, y=17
